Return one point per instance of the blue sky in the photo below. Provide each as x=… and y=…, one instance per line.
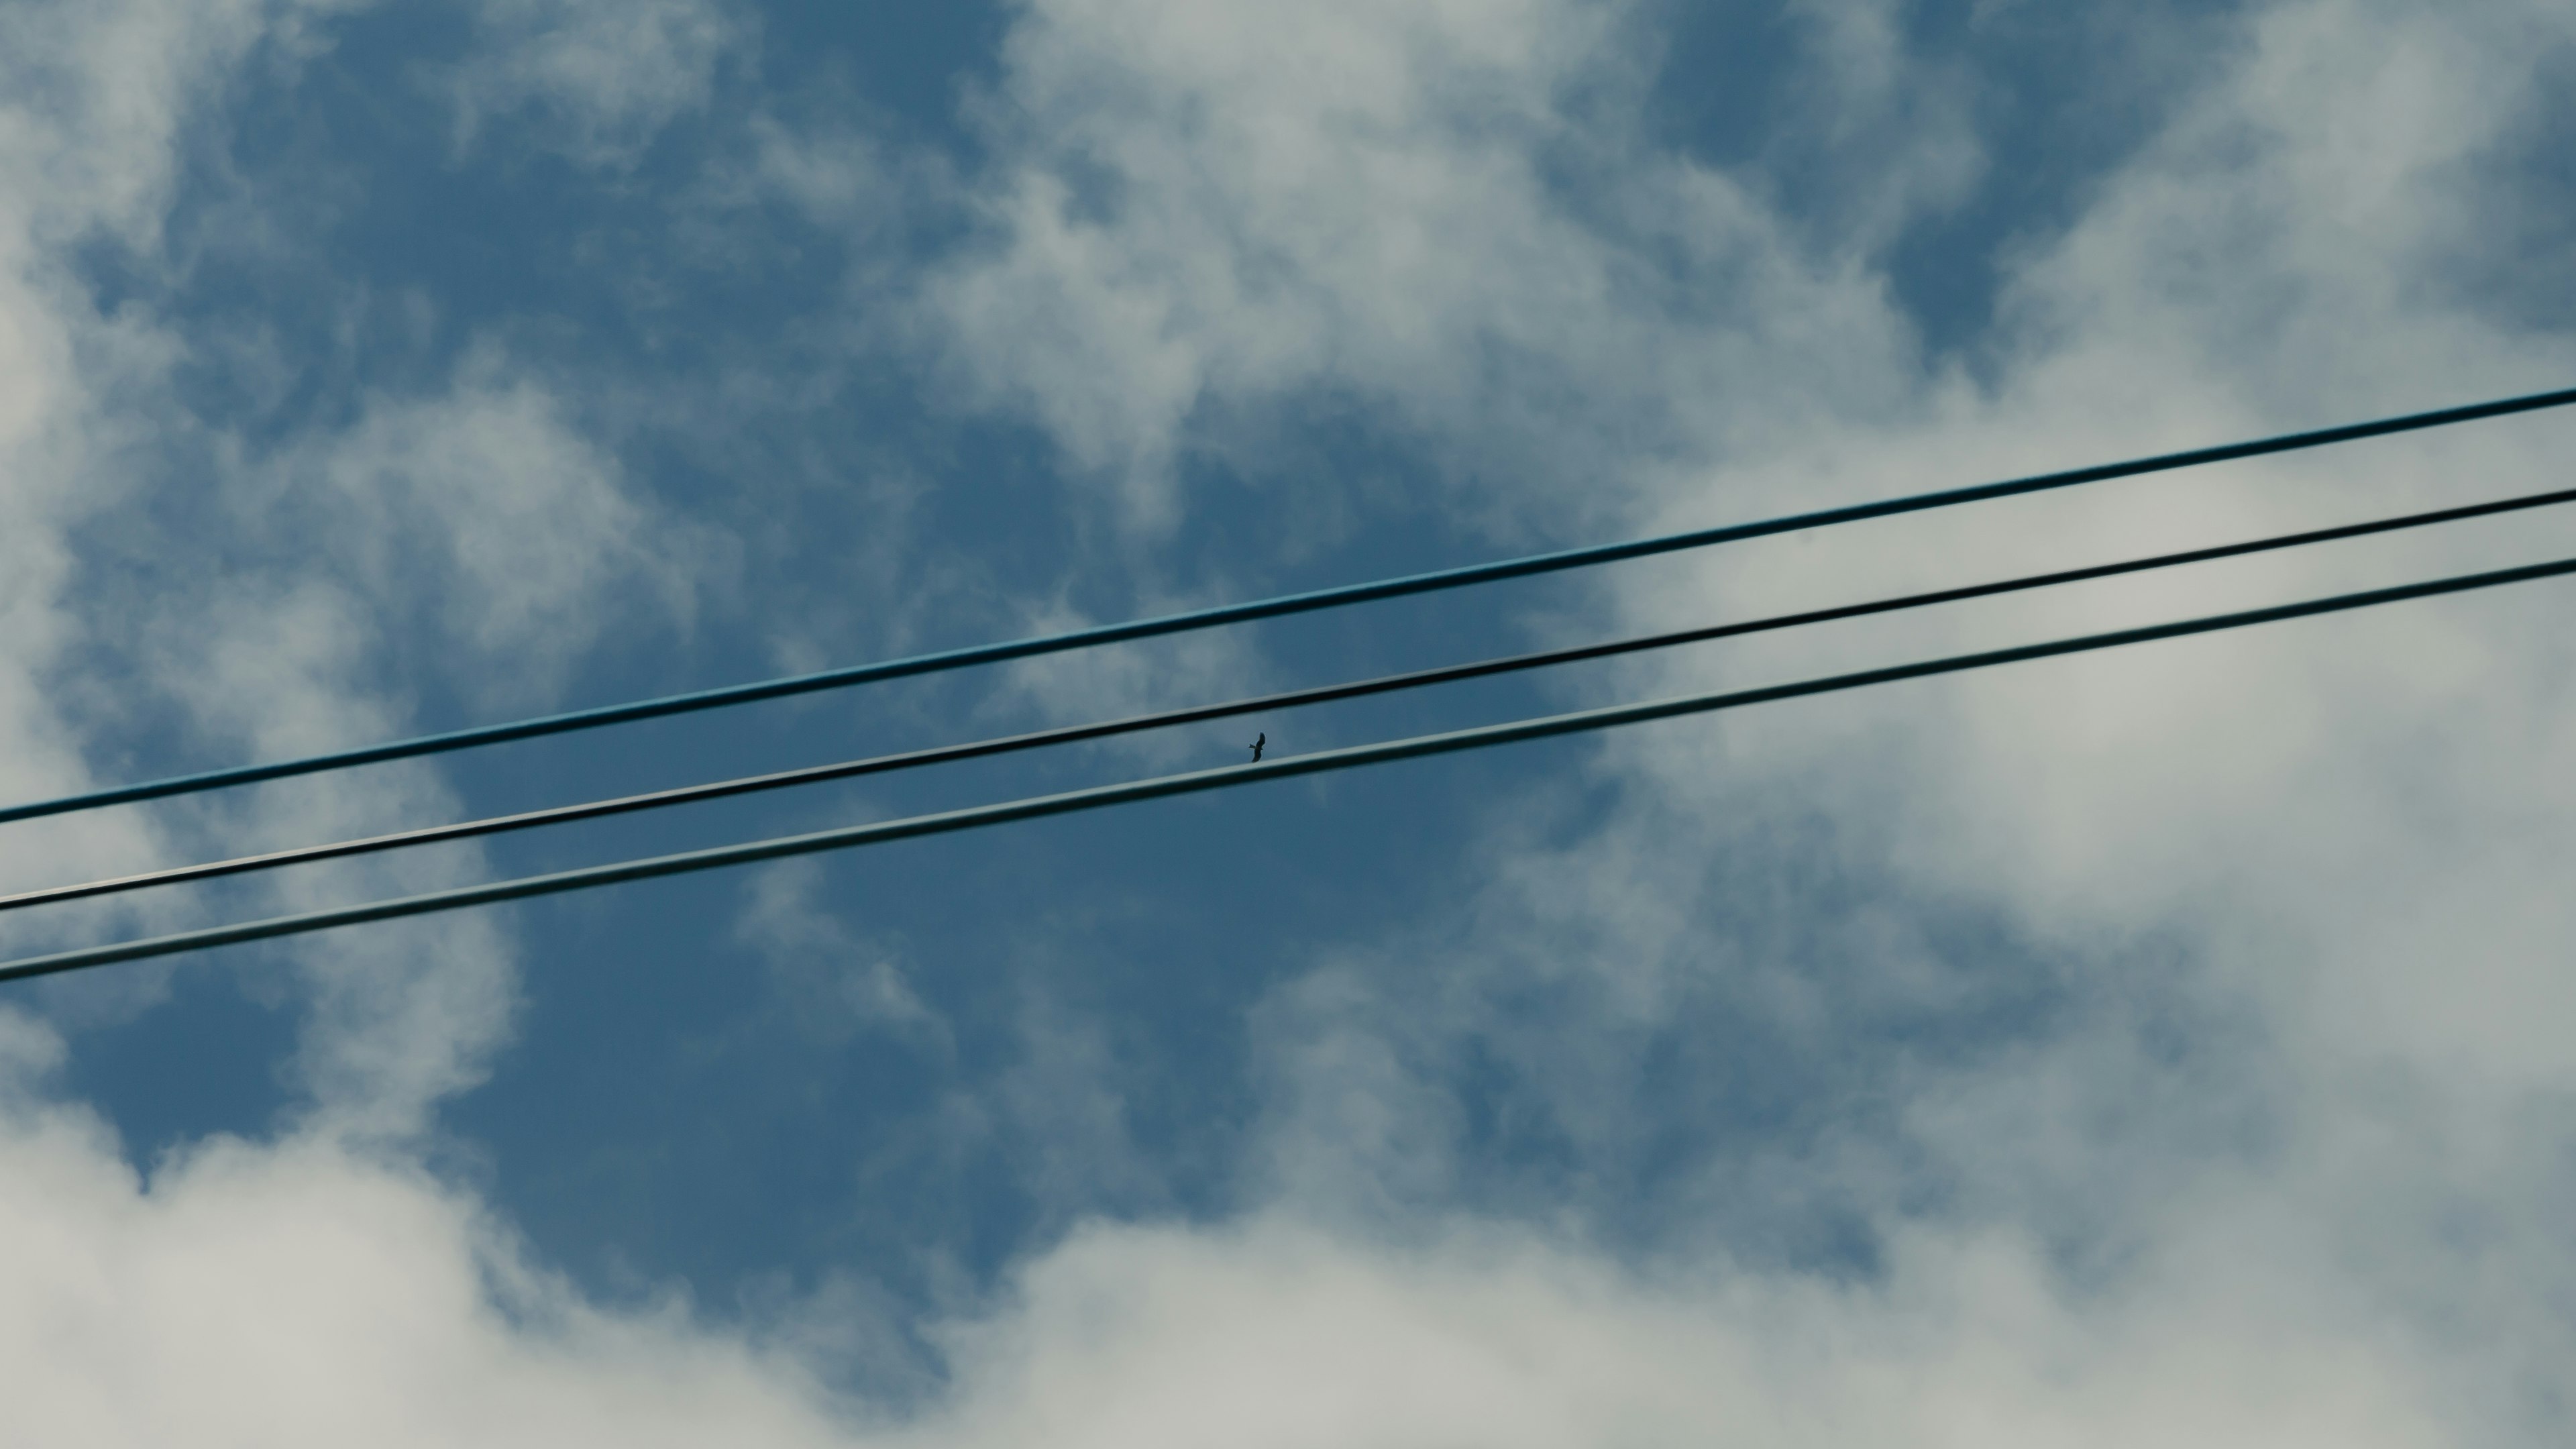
x=2146, y=1048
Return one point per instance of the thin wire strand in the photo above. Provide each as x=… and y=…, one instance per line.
x=1286, y=604
x=1289, y=699
x=1101, y=796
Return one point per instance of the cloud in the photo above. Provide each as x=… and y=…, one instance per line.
x=1151, y=1337
x=86, y=150
x=601, y=77
x=100, y=92
x=296, y=1293
x=537, y=548
x=2122, y=952
x=1210, y=210
x=2148, y=1049
x=832, y=980
x=259, y=616
x=293, y=1293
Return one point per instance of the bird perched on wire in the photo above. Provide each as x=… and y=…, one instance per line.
x=1262, y=739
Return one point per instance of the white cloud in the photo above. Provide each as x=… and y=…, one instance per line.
x=99, y=92
x=294, y=1293
x=2291, y=1178
x=603, y=77
x=1269, y=1335
x=2324, y=848
x=1217, y=208
x=833, y=980
x=484, y=508
x=539, y=548
x=94, y=95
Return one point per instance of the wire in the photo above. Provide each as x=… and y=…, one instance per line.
x=1285, y=604
x=1321, y=694
x=1100, y=796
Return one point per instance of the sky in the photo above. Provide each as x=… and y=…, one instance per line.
x=2168, y=1045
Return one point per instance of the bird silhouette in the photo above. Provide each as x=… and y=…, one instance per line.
x=1256, y=746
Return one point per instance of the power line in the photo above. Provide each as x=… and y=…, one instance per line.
x=1282, y=605
x=1289, y=699
x=1100, y=796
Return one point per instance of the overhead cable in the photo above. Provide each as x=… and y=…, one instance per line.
x=1288, y=699
x=1280, y=606
x=1321, y=762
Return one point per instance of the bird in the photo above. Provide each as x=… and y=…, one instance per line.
x=1257, y=744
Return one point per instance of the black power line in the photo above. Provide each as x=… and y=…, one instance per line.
x=1321, y=694
x=1100, y=796
x=1286, y=604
